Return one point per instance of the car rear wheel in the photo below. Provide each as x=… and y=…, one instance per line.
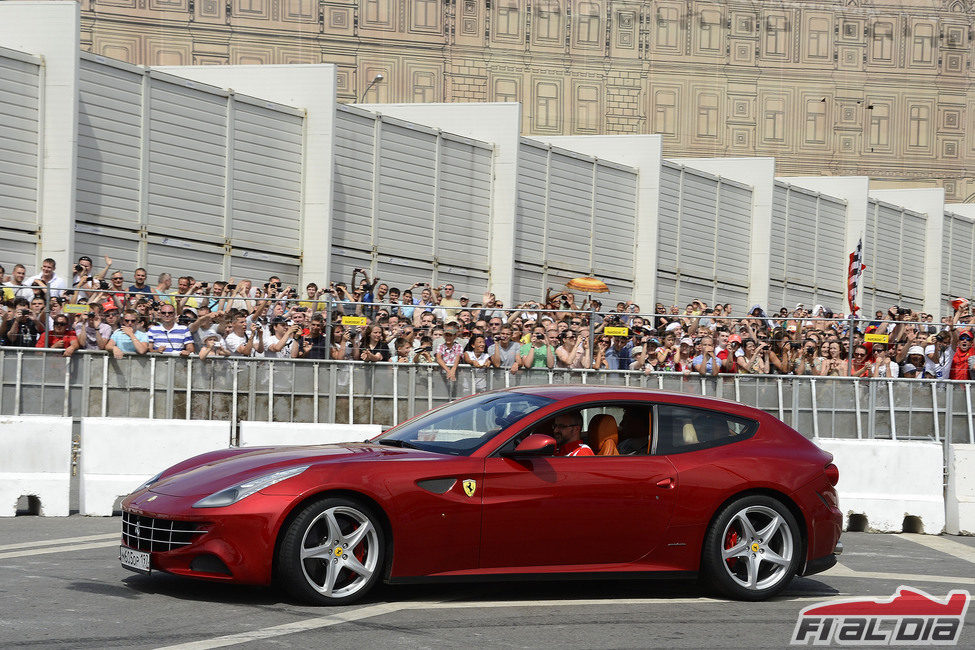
x=332, y=553
x=752, y=548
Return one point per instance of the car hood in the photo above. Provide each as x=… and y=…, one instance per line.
x=220, y=474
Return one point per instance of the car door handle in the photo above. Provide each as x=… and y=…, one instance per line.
x=666, y=483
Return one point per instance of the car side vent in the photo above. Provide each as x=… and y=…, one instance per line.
x=437, y=485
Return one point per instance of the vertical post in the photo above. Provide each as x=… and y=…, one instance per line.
x=234, y=439
x=592, y=330
x=328, y=324
x=849, y=357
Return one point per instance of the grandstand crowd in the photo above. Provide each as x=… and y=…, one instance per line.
x=371, y=321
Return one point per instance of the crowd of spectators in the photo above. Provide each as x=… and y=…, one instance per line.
x=372, y=321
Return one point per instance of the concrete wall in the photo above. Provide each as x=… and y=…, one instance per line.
x=51, y=30
x=311, y=87
x=759, y=173
x=932, y=203
x=495, y=123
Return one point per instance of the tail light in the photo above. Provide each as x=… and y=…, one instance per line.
x=832, y=474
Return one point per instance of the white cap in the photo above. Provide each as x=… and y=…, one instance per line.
x=915, y=349
x=687, y=341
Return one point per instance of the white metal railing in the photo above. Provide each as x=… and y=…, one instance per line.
x=42, y=382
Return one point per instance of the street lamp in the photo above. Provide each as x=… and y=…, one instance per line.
x=376, y=79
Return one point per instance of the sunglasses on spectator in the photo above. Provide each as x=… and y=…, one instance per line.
x=62, y=323
x=167, y=313
x=130, y=320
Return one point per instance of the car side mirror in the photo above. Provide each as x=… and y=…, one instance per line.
x=537, y=444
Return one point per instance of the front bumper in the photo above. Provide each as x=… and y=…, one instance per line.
x=233, y=544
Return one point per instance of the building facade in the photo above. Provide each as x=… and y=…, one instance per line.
x=881, y=88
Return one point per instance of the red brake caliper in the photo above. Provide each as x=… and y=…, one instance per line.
x=360, y=551
x=730, y=541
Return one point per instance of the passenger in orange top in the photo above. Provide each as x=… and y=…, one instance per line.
x=568, y=433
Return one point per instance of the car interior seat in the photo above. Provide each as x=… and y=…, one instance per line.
x=634, y=434
x=688, y=434
x=604, y=435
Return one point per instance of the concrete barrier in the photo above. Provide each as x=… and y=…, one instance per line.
x=35, y=460
x=118, y=454
x=960, y=495
x=255, y=434
x=889, y=480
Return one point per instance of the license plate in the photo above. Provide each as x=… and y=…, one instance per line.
x=134, y=560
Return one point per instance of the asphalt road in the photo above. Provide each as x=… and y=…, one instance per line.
x=61, y=585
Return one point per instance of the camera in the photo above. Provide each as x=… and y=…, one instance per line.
x=231, y=287
x=78, y=268
x=204, y=285
x=185, y=320
x=103, y=284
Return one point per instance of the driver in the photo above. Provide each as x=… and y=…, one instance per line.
x=568, y=433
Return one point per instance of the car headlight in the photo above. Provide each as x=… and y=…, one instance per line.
x=235, y=493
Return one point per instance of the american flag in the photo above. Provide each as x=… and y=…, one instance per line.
x=853, y=280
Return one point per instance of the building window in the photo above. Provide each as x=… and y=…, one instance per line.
x=547, y=106
x=423, y=87
x=665, y=112
x=507, y=23
x=815, y=122
x=879, y=125
x=668, y=26
x=923, y=50
x=711, y=30
x=774, y=120
x=819, y=38
x=707, y=115
x=776, y=35
x=547, y=15
x=917, y=133
x=505, y=90
x=588, y=26
x=425, y=14
x=587, y=108
x=882, y=45
x=377, y=12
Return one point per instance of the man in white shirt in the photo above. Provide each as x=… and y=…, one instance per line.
x=240, y=343
x=49, y=278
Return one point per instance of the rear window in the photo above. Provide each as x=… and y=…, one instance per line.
x=680, y=429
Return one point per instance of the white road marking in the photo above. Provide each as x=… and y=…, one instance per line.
x=64, y=540
x=292, y=628
x=59, y=549
x=388, y=608
x=943, y=544
x=842, y=571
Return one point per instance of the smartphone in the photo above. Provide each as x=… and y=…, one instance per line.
x=231, y=287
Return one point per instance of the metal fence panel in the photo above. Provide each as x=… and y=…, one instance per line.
x=36, y=382
x=20, y=79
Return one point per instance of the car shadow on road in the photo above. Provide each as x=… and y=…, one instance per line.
x=471, y=592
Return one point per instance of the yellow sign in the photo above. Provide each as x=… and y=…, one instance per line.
x=470, y=486
x=75, y=309
x=875, y=338
x=356, y=321
x=616, y=331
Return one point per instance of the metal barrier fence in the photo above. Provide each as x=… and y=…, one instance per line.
x=38, y=382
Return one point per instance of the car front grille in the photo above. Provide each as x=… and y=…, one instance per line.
x=157, y=535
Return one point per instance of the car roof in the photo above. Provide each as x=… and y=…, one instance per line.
x=560, y=392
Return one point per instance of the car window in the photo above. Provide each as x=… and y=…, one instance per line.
x=461, y=427
x=681, y=428
x=616, y=430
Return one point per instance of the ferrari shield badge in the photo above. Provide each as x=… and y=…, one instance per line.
x=470, y=487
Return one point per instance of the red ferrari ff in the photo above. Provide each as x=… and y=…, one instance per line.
x=543, y=481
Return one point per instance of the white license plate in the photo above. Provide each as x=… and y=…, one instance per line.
x=134, y=560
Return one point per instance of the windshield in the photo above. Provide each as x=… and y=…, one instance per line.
x=461, y=427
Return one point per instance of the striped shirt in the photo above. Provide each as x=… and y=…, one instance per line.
x=172, y=341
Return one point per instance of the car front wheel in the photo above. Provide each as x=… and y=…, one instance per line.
x=332, y=553
x=752, y=548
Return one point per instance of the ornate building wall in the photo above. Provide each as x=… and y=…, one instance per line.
x=881, y=88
